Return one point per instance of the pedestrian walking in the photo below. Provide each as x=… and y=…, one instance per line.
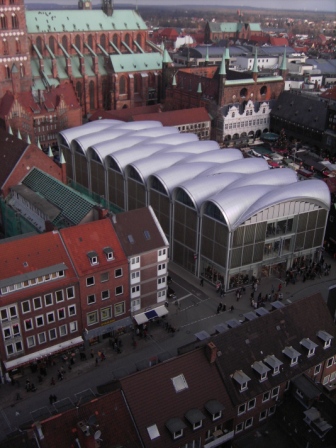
x=50, y=399
x=201, y=282
x=219, y=308
x=92, y=353
x=52, y=382
x=224, y=307
x=54, y=398
x=279, y=287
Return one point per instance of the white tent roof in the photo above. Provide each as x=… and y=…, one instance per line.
x=88, y=128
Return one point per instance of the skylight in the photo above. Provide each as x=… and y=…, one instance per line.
x=179, y=383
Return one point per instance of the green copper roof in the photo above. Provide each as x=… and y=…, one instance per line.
x=222, y=68
x=229, y=27
x=74, y=207
x=237, y=82
x=255, y=26
x=284, y=61
x=136, y=62
x=166, y=57
x=270, y=79
x=59, y=21
x=255, y=63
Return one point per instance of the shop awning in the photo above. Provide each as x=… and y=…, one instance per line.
x=142, y=318
x=113, y=326
x=27, y=359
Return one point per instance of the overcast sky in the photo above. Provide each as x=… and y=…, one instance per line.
x=318, y=5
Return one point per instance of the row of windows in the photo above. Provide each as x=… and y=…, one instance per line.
x=4, y=21
x=252, y=403
x=246, y=123
x=104, y=277
x=50, y=317
x=105, y=313
x=47, y=300
x=249, y=422
x=191, y=126
x=32, y=282
x=91, y=298
x=41, y=338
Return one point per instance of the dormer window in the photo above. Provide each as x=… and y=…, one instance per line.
x=109, y=253
x=292, y=354
x=242, y=379
x=195, y=417
x=309, y=345
x=261, y=369
x=274, y=363
x=175, y=427
x=93, y=257
x=326, y=338
x=215, y=408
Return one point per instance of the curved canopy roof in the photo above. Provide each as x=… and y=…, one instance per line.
x=202, y=187
x=217, y=156
x=87, y=140
x=158, y=132
x=176, y=139
x=138, y=125
x=146, y=167
x=88, y=128
x=247, y=166
x=243, y=202
x=281, y=177
x=195, y=147
x=171, y=177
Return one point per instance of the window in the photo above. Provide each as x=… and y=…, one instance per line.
x=118, y=273
x=10, y=349
x=106, y=313
x=59, y=296
x=28, y=323
x=90, y=281
x=104, y=277
x=330, y=362
x=63, y=331
x=4, y=315
x=50, y=317
x=91, y=299
x=119, y=308
x=119, y=290
x=37, y=303
x=105, y=294
x=25, y=306
x=216, y=415
x=39, y=321
x=73, y=326
x=263, y=414
x=327, y=343
x=249, y=423
x=243, y=386
x=251, y=404
x=48, y=300
x=242, y=409
x=266, y=396
x=178, y=434
x=72, y=310
x=7, y=332
x=161, y=296
x=239, y=427
x=162, y=281
x=52, y=334
x=42, y=339
x=162, y=252
x=31, y=341
x=161, y=267
x=61, y=313
x=271, y=410
x=197, y=425
x=92, y=318
x=70, y=292
x=294, y=361
x=135, y=289
x=135, y=276
x=275, y=391
x=135, y=262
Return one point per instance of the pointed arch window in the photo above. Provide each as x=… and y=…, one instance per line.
x=15, y=21
x=115, y=40
x=78, y=42
x=92, y=94
x=3, y=22
x=7, y=72
x=39, y=43
x=22, y=70
x=122, y=85
x=90, y=41
x=65, y=42
x=52, y=44
x=17, y=46
x=5, y=46
x=103, y=41
x=127, y=39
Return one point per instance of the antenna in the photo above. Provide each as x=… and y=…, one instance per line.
x=97, y=435
x=92, y=419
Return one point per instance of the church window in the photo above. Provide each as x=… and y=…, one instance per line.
x=127, y=39
x=103, y=41
x=115, y=40
x=122, y=86
x=65, y=43
x=3, y=22
x=15, y=22
x=137, y=84
x=7, y=72
x=243, y=93
x=39, y=43
x=17, y=46
x=263, y=90
x=92, y=95
x=139, y=40
x=52, y=44
x=78, y=42
x=5, y=46
x=90, y=41
x=233, y=114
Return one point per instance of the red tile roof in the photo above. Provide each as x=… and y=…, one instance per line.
x=111, y=414
x=169, y=33
x=153, y=400
x=177, y=117
x=12, y=149
x=329, y=94
x=93, y=236
x=30, y=253
x=145, y=221
x=279, y=41
x=124, y=114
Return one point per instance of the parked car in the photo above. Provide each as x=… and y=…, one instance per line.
x=171, y=293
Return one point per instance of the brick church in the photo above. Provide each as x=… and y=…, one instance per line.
x=58, y=66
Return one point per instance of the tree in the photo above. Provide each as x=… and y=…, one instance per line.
x=282, y=142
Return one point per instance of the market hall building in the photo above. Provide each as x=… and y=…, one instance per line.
x=224, y=216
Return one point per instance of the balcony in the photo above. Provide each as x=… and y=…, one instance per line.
x=219, y=437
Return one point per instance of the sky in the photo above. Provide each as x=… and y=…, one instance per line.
x=320, y=5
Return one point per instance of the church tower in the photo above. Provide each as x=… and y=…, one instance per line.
x=14, y=47
x=107, y=7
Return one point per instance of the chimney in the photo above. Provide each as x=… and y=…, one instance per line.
x=211, y=352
